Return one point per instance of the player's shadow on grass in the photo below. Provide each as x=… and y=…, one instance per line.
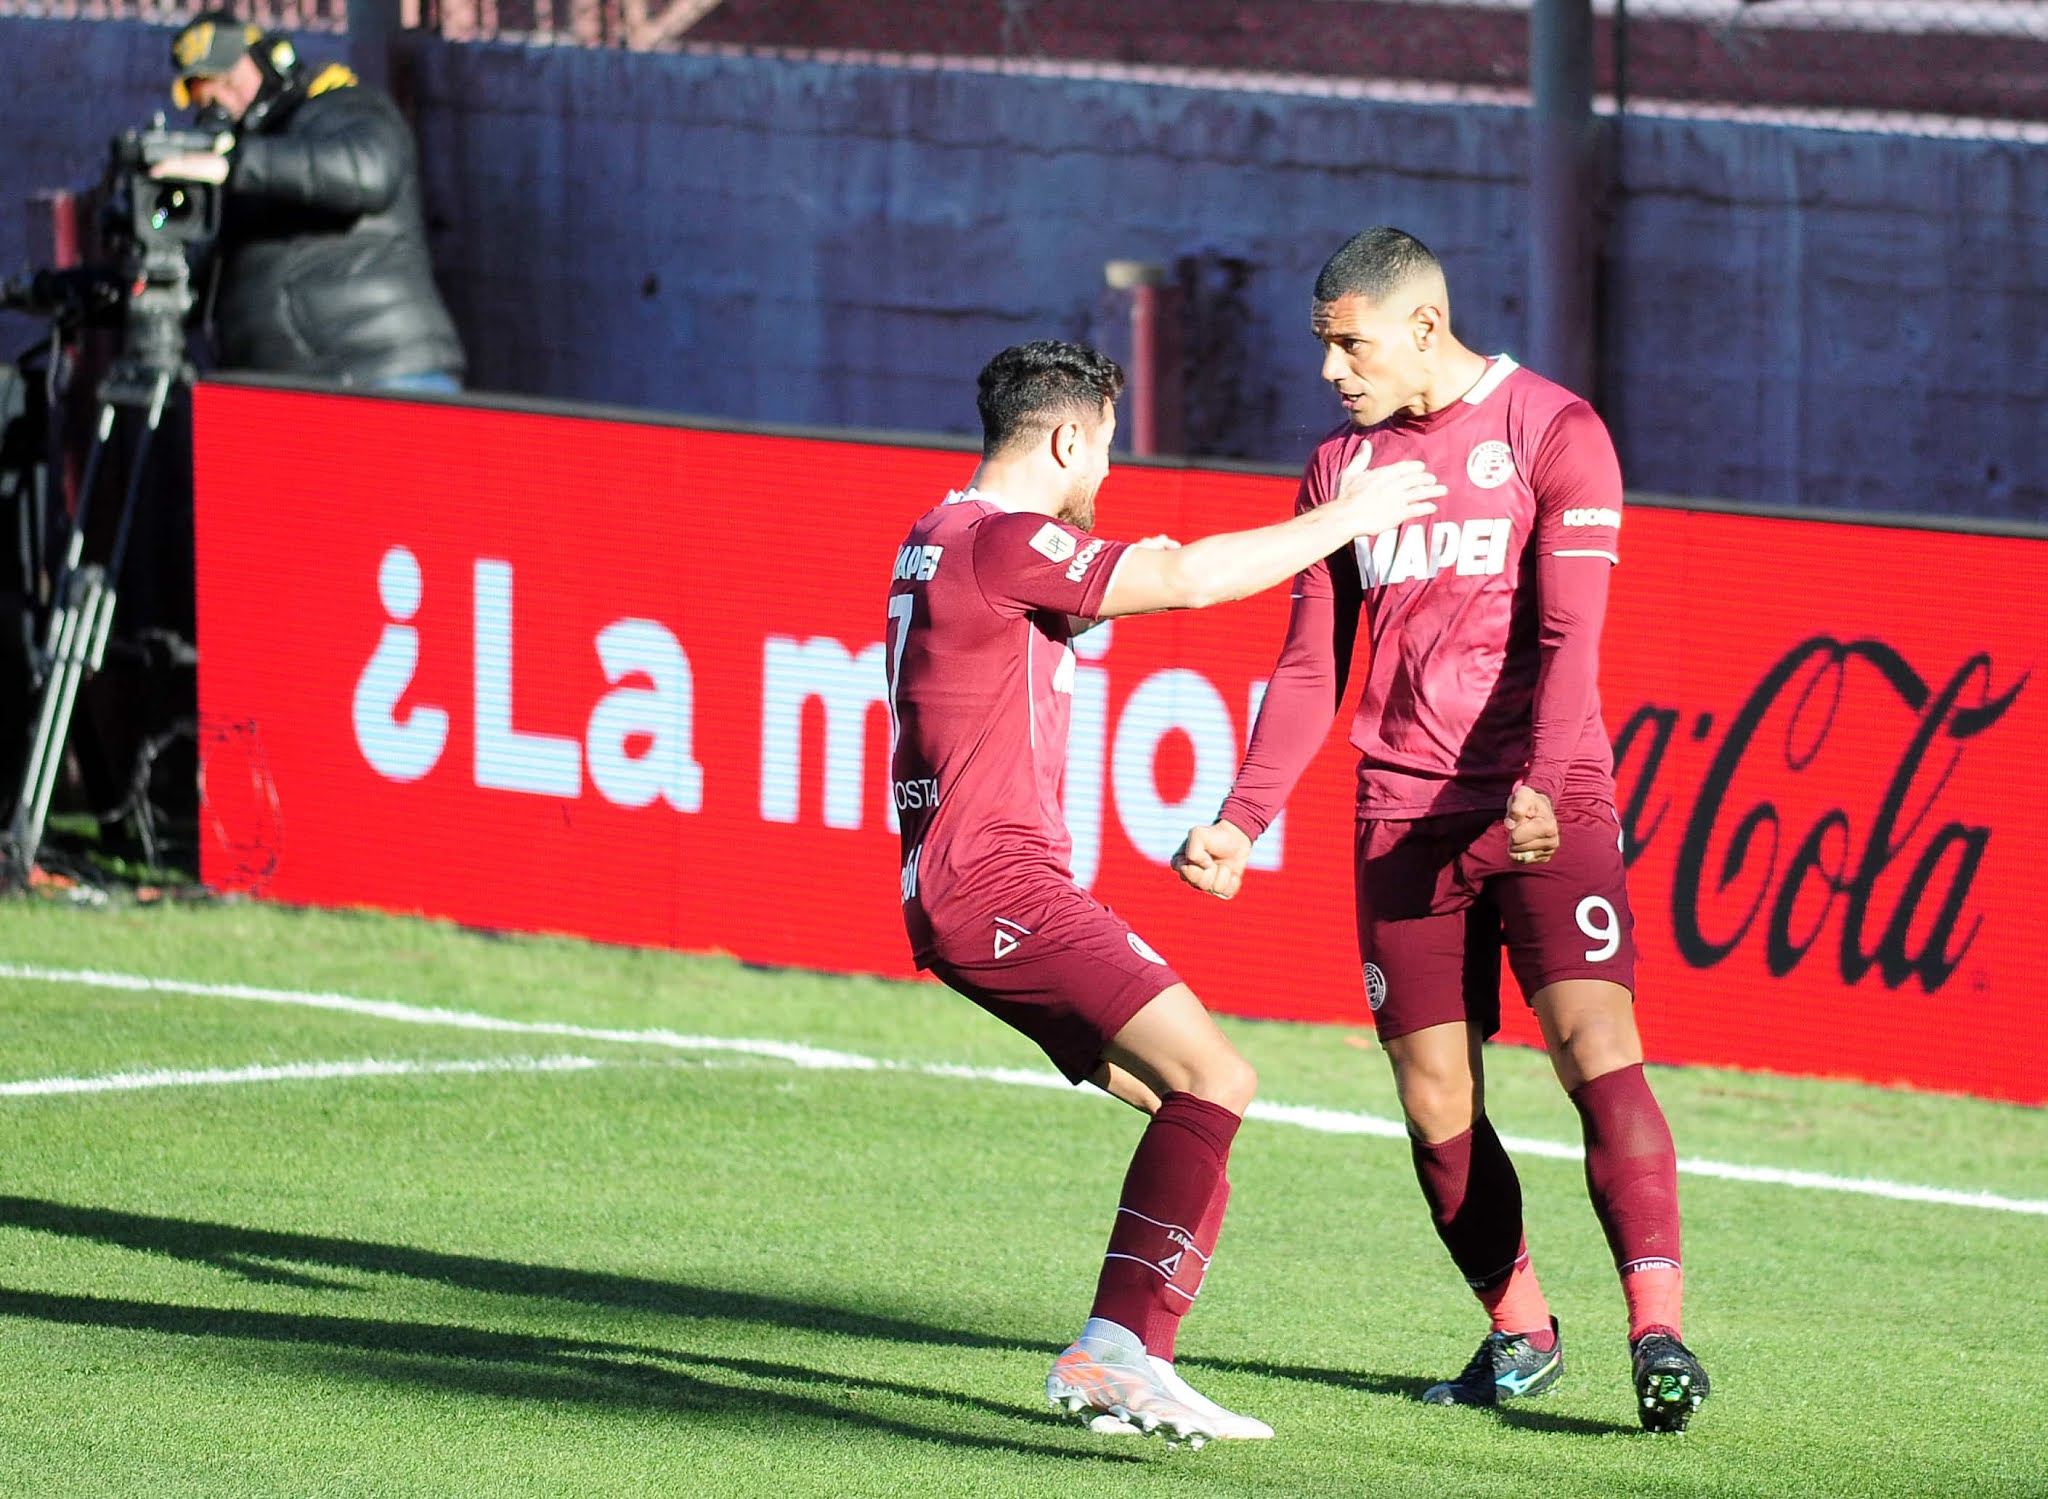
x=510, y=1364
x=491, y=1361
x=524, y=1366
x=1528, y=1418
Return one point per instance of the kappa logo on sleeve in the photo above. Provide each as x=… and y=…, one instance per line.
x=1053, y=541
x=1592, y=515
x=1078, y=568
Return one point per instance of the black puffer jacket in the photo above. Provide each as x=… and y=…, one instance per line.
x=323, y=267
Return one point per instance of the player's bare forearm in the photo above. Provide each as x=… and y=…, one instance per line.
x=1223, y=568
x=1237, y=564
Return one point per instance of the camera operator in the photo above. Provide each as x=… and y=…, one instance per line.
x=321, y=267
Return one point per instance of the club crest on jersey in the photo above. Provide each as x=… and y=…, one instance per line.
x=1491, y=465
x=1053, y=541
x=1375, y=987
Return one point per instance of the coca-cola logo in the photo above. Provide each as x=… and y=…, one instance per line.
x=1869, y=867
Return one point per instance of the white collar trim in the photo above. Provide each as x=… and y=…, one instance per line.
x=1503, y=366
x=971, y=495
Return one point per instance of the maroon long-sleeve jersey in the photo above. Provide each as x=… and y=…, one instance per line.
x=1483, y=619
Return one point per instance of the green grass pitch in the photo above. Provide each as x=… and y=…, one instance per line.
x=645, y=1267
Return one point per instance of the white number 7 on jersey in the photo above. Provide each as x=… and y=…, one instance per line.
x=900, y=606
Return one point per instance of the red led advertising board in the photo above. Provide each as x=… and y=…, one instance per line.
x=624, y=681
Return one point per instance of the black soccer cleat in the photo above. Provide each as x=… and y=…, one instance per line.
x=1670, y=1384
x=1506, y=1367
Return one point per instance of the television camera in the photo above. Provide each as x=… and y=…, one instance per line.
x=139, y=282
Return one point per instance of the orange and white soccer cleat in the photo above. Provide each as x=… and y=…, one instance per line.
x=1230, y=1426
x=1105, y=1372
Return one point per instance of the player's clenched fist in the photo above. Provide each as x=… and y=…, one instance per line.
x=1213, y=858
x=1379, y=499
x=1532, y=827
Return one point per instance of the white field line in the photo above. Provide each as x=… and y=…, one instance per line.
x=386, y=1009
x=1318, y=1120
x=129, y=1082
x=1334, y=1122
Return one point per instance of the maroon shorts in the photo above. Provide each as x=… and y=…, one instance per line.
x=1057, y=965
x=1437, y=896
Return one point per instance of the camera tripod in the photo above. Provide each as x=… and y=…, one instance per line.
x=85, y=592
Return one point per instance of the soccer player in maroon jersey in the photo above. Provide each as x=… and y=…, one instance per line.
x=989, y=588
x=1485, y=803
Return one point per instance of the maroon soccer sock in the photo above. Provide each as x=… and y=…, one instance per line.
x=1632, y=1175
x=1164, y=1325
x=1156, y=1251
x=1475, y=1200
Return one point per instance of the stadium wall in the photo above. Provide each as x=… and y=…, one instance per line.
x=1794, y=316
x=558, y=671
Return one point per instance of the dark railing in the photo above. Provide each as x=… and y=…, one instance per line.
x=1833, y=61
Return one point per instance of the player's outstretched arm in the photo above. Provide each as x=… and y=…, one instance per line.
x=1237, y=564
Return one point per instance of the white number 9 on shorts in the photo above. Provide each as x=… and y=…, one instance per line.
x=1598, y=921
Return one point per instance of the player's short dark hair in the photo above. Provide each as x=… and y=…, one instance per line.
x=1036, y=386
x=1374, y=264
